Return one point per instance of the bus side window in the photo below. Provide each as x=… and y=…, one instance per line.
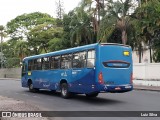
x=35, y=64
x=39, y=64
x=75, y=60
x=45, y=64
x=30, y=65
x=79, y=60
x=82, y=58
x=91, y=59
x=55, y=62
x=66, y=61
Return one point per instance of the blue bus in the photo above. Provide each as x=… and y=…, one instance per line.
x=89, y=70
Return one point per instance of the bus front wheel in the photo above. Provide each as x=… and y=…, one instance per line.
x=31, y=88
x=64, y=91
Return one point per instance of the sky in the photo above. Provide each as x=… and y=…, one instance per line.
x=10, y=9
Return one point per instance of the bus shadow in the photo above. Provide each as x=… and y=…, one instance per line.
x=46, y=92
x=81, y=98
x=97, y=100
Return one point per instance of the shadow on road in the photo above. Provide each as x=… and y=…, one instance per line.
x=97, y=100
x=81, y=98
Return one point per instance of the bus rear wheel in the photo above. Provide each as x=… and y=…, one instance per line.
x=92, y=95
x=64, y=91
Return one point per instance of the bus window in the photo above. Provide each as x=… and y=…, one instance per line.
x=37, y=64
x=45, y=64
x=79, y=60
x=66, y=61
x=91, y=59
x=55, y=62
x=30, y=65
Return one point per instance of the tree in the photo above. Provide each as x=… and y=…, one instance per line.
x=66, y=42
x=21, y=49
x=95, y=10
x=10, y=54
x=2, y=35
x=19, y=27
x=156, y=46
x=59, y=9
x=59, y=12
x=117, y=17
x=41, y=35
x=147, y=17
x=81, y=30
x=36, y=29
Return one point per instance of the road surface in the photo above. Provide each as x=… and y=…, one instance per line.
x=46, y=100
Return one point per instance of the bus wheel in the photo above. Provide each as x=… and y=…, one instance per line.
x=32, y=89
x=64, y=90
x=92, y=95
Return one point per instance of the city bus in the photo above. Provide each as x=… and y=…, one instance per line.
x=89, y=69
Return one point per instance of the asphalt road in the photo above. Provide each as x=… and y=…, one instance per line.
x=46, y=100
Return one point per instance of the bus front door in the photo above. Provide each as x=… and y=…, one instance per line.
x=24, y=75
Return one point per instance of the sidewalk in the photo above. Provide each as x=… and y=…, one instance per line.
x=149, y=88
x=10, y=79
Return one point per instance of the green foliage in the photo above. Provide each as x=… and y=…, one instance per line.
x=31, y=34
x=12, y=62
x=19, y=27
x=81, y=30
x=107, y=27
x=156, y=55
x=147, y=23
x=65, y=42
x=40, y=36
x=55, y=44
x=37, y=29
x=156, y=46
x=10, y=54
x=117, y=18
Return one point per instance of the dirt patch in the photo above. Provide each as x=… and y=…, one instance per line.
x=9, y=104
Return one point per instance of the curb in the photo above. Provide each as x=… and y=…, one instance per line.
x=18, y=79
x=146, y=88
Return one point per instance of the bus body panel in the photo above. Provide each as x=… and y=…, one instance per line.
x=82, y=80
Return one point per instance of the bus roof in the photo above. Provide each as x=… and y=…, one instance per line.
x=71, y=50
x=115, y=44
x=65, y=51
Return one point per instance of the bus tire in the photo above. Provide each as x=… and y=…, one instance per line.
x=64, y=91
x=31, y=88
x=92, y=95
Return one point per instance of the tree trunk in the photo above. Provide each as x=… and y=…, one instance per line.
x=150, y=52
x=124, y=37
x=140, y=53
